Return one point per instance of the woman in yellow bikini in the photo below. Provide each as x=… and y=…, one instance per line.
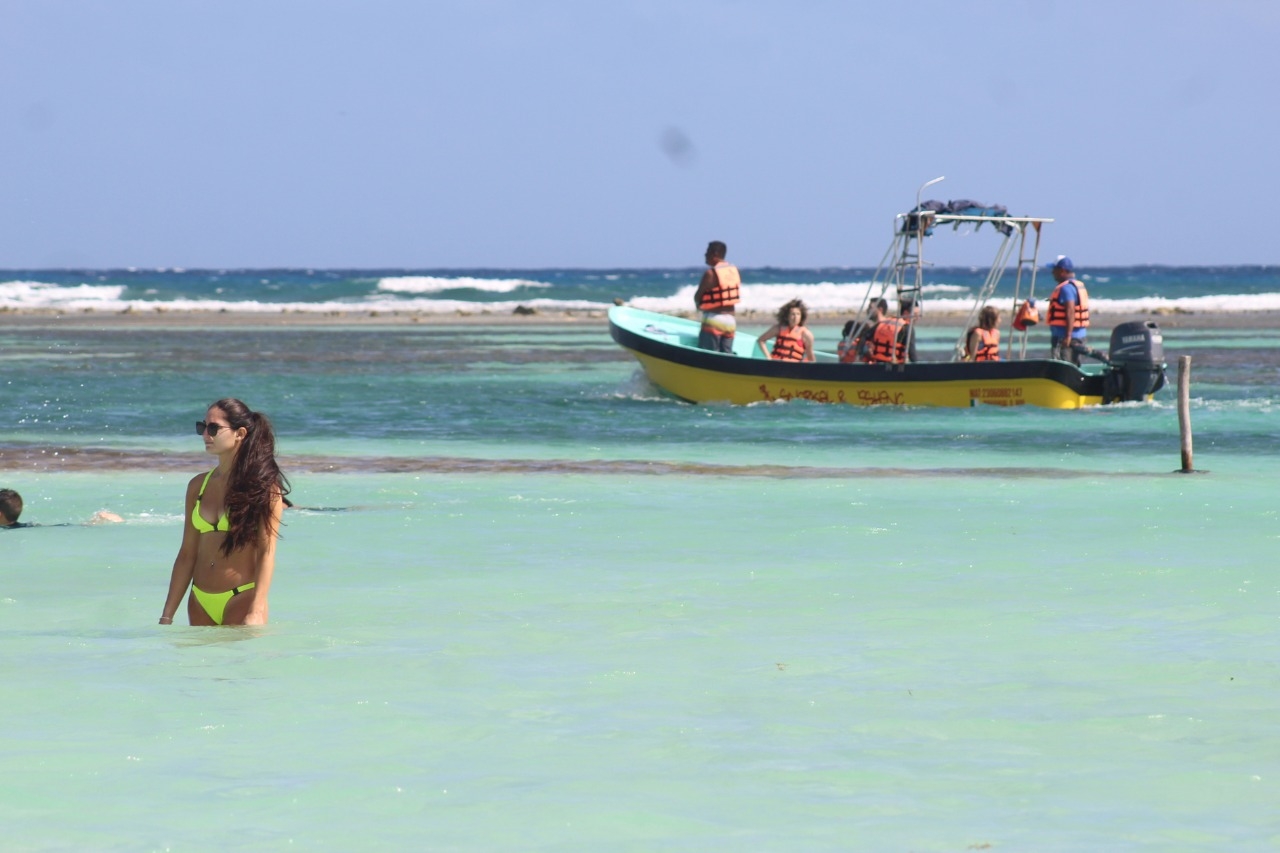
x=231, y=524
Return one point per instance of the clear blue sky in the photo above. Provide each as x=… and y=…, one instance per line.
x=615, y=133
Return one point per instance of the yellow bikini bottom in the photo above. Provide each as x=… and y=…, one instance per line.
x=215, y=603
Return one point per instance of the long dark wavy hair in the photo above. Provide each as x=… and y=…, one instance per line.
x=255, y=478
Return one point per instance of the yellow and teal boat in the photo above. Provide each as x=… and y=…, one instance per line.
x=667, y=349
x=1132, y=370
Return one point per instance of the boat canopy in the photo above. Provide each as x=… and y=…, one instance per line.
x=902, y=267
x=926, y=213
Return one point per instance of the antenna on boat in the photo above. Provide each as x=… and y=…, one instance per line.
x=925, y=186
x=918, y=288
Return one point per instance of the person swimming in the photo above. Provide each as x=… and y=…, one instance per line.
x=11, y=508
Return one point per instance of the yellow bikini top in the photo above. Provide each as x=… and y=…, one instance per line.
x=197, y=520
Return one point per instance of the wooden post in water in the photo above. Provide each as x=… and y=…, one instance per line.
x=1184, y=411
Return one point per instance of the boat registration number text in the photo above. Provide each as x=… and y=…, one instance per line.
x=1009, y=396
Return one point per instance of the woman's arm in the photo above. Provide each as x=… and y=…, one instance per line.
x=266, y=565
x=184, y=565
x=768, y=336
x=808, y=344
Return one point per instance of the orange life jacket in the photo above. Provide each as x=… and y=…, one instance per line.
x=989, y=348
x=1028, y=315
x=885, y=346
x=1058, y=311
x=789, y=345
x=726, y=291
x=847, y=350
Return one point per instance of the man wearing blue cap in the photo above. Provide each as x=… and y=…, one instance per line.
x=1068, y=312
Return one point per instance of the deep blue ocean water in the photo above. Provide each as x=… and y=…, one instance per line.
x=526, y=602
x=1142, y=289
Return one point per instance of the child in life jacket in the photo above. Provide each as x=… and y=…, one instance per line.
x=983, y=341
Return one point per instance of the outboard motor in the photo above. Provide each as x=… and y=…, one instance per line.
x=1135, y=362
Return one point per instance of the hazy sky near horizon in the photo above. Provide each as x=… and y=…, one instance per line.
x=501, y=133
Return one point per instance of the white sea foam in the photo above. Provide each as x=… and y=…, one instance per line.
x=830, y=297
x=436, y=284
x=38, y=294
x=1218, y=303
x=84, y=299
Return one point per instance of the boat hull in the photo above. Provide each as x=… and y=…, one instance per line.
x=666, y=349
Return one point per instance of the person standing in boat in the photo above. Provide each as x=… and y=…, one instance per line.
x=1068, y=312
x=791, y=340
x=892, y=341
x=716, y=296
x=983, y=341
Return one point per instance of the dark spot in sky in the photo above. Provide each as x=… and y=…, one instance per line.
x=678, y=147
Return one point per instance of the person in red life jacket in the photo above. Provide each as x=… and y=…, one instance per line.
x=717, y=294
x=791, y=340
x=891, y=341
x=1068, y=312
x=853, y=345
x=983, y=341
x=846, y=351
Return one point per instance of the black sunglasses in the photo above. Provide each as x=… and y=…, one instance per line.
x=211, y=429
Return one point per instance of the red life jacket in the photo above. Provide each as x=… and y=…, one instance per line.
x=789, y=345
x=1058, y=311
x=989, y=348
x=847, y=350
x=885, y=346
x=727, y=290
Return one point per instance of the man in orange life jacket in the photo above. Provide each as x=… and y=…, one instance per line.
x=716, y=296
x=855, y=344
x=1068, y=312
x=891, y=340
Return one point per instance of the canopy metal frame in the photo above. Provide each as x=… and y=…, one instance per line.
x=902, y=268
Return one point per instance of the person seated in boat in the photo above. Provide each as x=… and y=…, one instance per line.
x=791, y=340
x=845, y=351
x=853, y=342
x=983, y=341
x=892, y=341
x=862, y=349
x=1068, y=313
x=717, y=294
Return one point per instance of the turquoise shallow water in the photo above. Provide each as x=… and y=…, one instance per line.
x=535, y=606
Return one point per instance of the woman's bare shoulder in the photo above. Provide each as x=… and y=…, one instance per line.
x=194, y=484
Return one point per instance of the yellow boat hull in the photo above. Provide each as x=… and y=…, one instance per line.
x=699, y=385
x=666, y=350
